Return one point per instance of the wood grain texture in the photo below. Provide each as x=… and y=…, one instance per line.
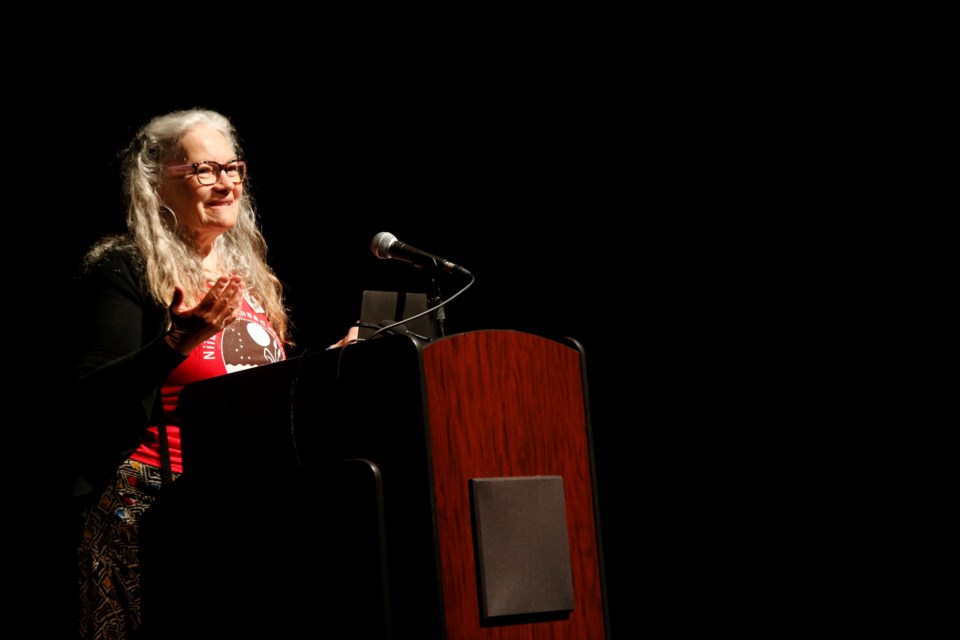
x=509, y=404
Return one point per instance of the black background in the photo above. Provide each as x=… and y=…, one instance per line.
x=603, y=203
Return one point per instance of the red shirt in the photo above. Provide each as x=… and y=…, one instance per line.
x=247, y=342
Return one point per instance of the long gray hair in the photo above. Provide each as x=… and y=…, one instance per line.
x=169, y=258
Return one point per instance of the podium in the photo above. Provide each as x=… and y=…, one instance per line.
x=388, y=489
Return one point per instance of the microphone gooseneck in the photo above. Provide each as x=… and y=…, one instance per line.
x=386, y=246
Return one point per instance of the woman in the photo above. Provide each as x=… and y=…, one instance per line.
x=185, y=294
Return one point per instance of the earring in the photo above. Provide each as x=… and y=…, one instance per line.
x=173, y=216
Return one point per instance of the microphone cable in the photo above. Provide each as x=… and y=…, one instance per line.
x=422, y=313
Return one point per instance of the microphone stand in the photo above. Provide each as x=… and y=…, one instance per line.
x=433, y=299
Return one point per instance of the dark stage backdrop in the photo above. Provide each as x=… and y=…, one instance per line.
x=578, y=218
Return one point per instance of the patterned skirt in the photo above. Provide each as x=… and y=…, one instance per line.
x=109, y=549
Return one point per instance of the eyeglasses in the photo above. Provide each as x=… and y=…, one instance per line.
x=208, y=171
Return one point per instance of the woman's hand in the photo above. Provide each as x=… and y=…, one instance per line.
x=219, y=307
x=351, y=336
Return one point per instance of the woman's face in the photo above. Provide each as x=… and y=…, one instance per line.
x=203, y=211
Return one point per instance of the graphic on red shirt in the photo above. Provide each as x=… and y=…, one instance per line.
x=246, y=344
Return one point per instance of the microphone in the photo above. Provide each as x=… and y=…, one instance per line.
x=385, y=246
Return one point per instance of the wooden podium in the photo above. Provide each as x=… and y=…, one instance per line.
x=389, y=489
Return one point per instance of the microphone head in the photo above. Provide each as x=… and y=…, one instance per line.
x=381, y=243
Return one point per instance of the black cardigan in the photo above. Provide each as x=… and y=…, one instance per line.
x=120, y=361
